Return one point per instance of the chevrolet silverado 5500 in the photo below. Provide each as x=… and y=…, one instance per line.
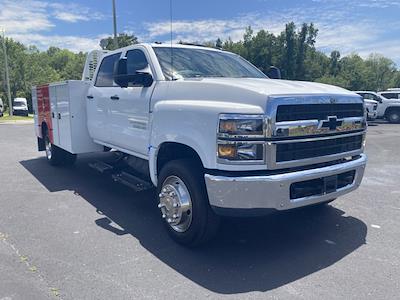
x=210, y=131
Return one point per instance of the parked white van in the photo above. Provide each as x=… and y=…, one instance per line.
x=20, y=107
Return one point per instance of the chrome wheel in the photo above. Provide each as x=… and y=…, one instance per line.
x=48, y=149
x=176, y=204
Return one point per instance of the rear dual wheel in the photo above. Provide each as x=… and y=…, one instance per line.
x=184, y=204
x=57, y=156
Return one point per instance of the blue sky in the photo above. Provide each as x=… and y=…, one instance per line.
x=362, y=26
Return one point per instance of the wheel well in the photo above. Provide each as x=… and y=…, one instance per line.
x=390, y=109
x=172, y=151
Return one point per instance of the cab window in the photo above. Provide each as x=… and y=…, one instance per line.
x=390, y=95
x=105, y=76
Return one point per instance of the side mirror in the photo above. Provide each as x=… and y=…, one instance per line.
x=274, y=73
x=123, y=79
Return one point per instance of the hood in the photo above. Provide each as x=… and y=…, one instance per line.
x=271, y=87
x=372, y=102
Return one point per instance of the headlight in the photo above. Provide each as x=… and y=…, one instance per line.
x=237, y=126
x=240, y=138
x=238, y=151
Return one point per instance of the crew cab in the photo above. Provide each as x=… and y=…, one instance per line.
x=387, y=108
x=212, y=133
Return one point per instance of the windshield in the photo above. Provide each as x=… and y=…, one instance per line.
x=201, y=63
x=19, y=103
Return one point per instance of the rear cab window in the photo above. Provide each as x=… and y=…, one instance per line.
x=105, y=75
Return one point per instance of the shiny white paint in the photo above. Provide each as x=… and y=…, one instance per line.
x=182, y=111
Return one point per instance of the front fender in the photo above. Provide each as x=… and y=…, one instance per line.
x=192, y=123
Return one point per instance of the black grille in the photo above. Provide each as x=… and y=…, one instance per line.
x=321, y=186
x=303, y=150
x=297, y=112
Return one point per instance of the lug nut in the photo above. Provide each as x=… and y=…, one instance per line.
x=161, y=195
x=164, y=190
x=164, y=216
x=169, y=221
x=160, y=205
x=175, y=216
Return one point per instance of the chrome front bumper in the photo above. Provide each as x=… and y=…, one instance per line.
x=273, y=192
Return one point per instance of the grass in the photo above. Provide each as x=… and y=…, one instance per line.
x=7, y=118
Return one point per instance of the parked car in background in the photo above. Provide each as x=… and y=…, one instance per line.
x=20, y=107
x=387, y=108
x=1, y=108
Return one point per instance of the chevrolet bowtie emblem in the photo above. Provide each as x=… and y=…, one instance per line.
x=332, y=123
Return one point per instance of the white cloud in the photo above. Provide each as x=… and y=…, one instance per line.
x=24, y=16
x=27, y=21
x=73, y=13
x=72, y=43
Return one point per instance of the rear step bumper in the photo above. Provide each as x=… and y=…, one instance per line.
x=281, y=192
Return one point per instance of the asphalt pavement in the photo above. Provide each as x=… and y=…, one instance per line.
x=71, y=233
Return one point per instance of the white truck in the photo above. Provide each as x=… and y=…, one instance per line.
x=388, y=109
x=210, y=131
x=20, y=107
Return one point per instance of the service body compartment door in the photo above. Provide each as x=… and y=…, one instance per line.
x=53, y=114
x=63, y=116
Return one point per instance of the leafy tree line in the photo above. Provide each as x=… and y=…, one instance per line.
x=293, y=51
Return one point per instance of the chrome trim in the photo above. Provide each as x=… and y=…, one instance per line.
x=273, y=164
x=274, y=101
x=273, y=191
x=321, y=138
x=315, y=127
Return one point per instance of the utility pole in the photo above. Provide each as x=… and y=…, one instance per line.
x=7, y=75
x=115, y=26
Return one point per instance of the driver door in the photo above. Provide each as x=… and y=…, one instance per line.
x=130, y=110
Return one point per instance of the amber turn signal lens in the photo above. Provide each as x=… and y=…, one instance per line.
x=227, y=151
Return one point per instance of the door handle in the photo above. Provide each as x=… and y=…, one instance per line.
x=52, y=115
x=90, y=97
x=114, y=97
x=59, y=116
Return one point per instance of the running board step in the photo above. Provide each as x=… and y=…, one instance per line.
x=135, y=183
x=102, y=167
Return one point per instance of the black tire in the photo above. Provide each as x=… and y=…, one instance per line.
x=204, y=222
x=393, y=116
x=57, y=156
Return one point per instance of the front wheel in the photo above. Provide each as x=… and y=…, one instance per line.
x=57, y=156
x=394, y=116
x=184, y=205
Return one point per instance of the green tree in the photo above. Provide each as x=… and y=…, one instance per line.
x=124, y=40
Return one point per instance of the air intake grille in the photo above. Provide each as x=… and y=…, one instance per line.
x=295, y=112
x=304, y=150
